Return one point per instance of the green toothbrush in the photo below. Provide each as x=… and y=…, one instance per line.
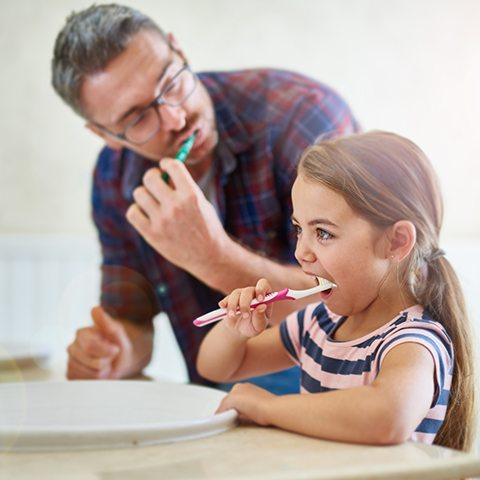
x=183, y=152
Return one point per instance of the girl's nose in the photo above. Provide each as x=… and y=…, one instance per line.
x=303, y=254
x=173, y=118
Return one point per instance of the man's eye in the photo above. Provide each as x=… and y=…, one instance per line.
x=323, y=235
x=298, y=230
x=140, y=119
x=172, y=86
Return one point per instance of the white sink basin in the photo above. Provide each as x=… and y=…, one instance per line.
x=106, y=414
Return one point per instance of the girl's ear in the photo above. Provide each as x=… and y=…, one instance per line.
x=401, y=240
x=110, y=141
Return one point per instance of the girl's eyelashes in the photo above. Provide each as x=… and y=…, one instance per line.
x=323, y=235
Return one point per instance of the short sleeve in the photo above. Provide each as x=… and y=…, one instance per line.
x=291, y=333
x=436, y=341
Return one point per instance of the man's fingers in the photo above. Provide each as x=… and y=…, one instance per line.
x=179, y=176
x=155, y=184
x=112, y=329
x=94, y=344
x=77, y=371
x=138, y=219
x=94, y=363
x=145, y=201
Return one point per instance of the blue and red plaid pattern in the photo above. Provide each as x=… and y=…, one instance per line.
x=265, y=119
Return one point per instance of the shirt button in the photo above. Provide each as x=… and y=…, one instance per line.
x=162, y=289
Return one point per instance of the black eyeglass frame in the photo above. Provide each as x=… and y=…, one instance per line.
x=158, y=101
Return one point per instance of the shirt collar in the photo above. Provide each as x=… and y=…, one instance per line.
x=231, y=131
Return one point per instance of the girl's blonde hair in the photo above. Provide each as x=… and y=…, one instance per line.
x=386, y=178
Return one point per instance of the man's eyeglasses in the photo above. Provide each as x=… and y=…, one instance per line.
x=148, y=122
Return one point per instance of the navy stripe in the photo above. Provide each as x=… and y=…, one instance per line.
x=443, y=397
x=323, y=319
x=300, y=319
x=312, y=385
x=393, y=327
x=423, y=337
x=429, y=425
x=286, y=340
x=311, y=348
x=445, y=341
x=335, y=365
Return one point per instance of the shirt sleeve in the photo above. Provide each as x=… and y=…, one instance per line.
x=291, y=333
x=125, y=291
x=437, y=342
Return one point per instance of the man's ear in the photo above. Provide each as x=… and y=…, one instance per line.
x=175, y=46
x=401, y=238
x=109, y=140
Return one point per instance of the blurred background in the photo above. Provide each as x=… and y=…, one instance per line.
x=411, y=67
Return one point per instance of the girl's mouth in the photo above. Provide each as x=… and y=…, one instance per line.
x=325, y=294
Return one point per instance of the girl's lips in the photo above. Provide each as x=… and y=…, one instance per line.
x=326, y=294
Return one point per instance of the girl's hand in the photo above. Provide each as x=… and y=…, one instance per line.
x=240, y=318
x=251, y=403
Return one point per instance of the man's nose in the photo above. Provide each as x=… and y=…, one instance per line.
x=173, y=118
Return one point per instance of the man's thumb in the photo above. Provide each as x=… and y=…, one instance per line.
x=112, y=329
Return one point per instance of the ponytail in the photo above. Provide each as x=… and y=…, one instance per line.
x=387, y=178
x=442, y=296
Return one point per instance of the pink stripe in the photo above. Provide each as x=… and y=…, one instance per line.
x=421, y=437
x=292, y=329
x=334, y=380
x=437, y=413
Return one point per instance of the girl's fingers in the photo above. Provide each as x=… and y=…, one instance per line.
x=232, y=303
x=259, y=321
x=268, y=312
x=223, y=302
x=246, y=297
x=262, y=289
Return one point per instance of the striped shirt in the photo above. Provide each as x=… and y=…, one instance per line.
x=265, y=119
x=328, y=364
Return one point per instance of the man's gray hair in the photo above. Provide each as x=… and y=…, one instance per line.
x=89, y=40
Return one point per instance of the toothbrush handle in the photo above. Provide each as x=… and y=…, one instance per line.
x=220, y=313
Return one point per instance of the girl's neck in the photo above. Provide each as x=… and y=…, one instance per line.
x=380, y=312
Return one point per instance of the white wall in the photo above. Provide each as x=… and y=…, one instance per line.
x=403, y=65
x=408, y=66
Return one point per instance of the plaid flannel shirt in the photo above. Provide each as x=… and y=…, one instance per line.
x=265, y=119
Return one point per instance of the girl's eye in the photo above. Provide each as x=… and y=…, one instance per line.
x=323, y=235
x=298, y=230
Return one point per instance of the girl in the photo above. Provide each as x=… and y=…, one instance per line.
x=386, y=356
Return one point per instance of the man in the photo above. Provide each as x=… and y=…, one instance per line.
x=222, y=220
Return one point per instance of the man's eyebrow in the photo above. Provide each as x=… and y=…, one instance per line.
x=316, y=221
x=136, y=107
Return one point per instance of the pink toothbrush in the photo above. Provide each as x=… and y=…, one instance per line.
x=285, y=294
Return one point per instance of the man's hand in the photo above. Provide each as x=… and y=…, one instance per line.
x=101, y=351
x=176, y=219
